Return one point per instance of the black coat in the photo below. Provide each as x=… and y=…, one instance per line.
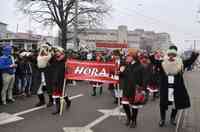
x=147, y=75
x=130, y=78
x=181, y=97
x=58, y=74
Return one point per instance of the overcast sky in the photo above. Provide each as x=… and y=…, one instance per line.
x=179, y=18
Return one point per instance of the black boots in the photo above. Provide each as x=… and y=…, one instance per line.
x=68, y=102
x=41, y=100
x=162, y=123
x=57, y=106
x=131, y=118
x=50, y=101
x=162, y=115
x=134, y=118
x=94, y=91
x=172, y=117
x=100, y=90
x=128, y=114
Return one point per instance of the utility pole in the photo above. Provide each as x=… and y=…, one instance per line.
x=195, y=42
x=17, y=29
x=76, y=26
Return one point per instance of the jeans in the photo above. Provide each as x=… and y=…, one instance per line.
x=28, y=83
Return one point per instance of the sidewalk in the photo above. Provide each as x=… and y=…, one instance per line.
x=191, y=121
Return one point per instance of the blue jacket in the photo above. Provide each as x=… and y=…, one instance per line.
x=6, y=61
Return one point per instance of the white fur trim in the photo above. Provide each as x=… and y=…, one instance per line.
x=136, y=106
x=172, y=67
x=124, y=102
x=55, y=97
x=97, y=85
x=152, y=90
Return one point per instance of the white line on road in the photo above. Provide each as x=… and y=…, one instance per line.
x=97, y=121
x=7, y=118
x=76, y=96
x=100, y=119
x=42, y=107
x=88, y=128
x=29, y=110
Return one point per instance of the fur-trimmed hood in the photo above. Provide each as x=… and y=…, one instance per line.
x=172, y=67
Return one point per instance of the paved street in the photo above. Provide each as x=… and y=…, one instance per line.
x=192, y=116
x=84, y=113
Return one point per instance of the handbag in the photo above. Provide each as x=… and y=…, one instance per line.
x=139, y=97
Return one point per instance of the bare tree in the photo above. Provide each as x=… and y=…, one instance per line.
x=62, y=13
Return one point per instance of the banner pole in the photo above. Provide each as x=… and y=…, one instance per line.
x=118, y=90
x=62, y=100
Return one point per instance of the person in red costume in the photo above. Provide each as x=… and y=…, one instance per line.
x=96, y=85
x=58, y=74
x=130, y=81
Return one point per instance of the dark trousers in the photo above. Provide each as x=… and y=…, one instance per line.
x=163, y=113
x=130, y=113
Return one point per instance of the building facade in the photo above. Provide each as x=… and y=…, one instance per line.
x=3, y=30
x=138, y=38
x=24, y=40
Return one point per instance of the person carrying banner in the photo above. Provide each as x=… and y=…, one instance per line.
x=58, y=75
x=172, y=88
x=113, y=87
x=130, y=78
x=96, y=85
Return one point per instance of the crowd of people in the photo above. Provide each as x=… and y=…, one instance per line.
x=140, y=74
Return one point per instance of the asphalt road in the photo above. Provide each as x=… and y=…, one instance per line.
x=83, y=111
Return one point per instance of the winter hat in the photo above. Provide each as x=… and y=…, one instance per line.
x=7, y=50
x=172, y=50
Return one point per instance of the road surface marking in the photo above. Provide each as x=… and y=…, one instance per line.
x=87, y=128
x=76, y=96
x=6, y=118
x=77, y=129
x=42, y=107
